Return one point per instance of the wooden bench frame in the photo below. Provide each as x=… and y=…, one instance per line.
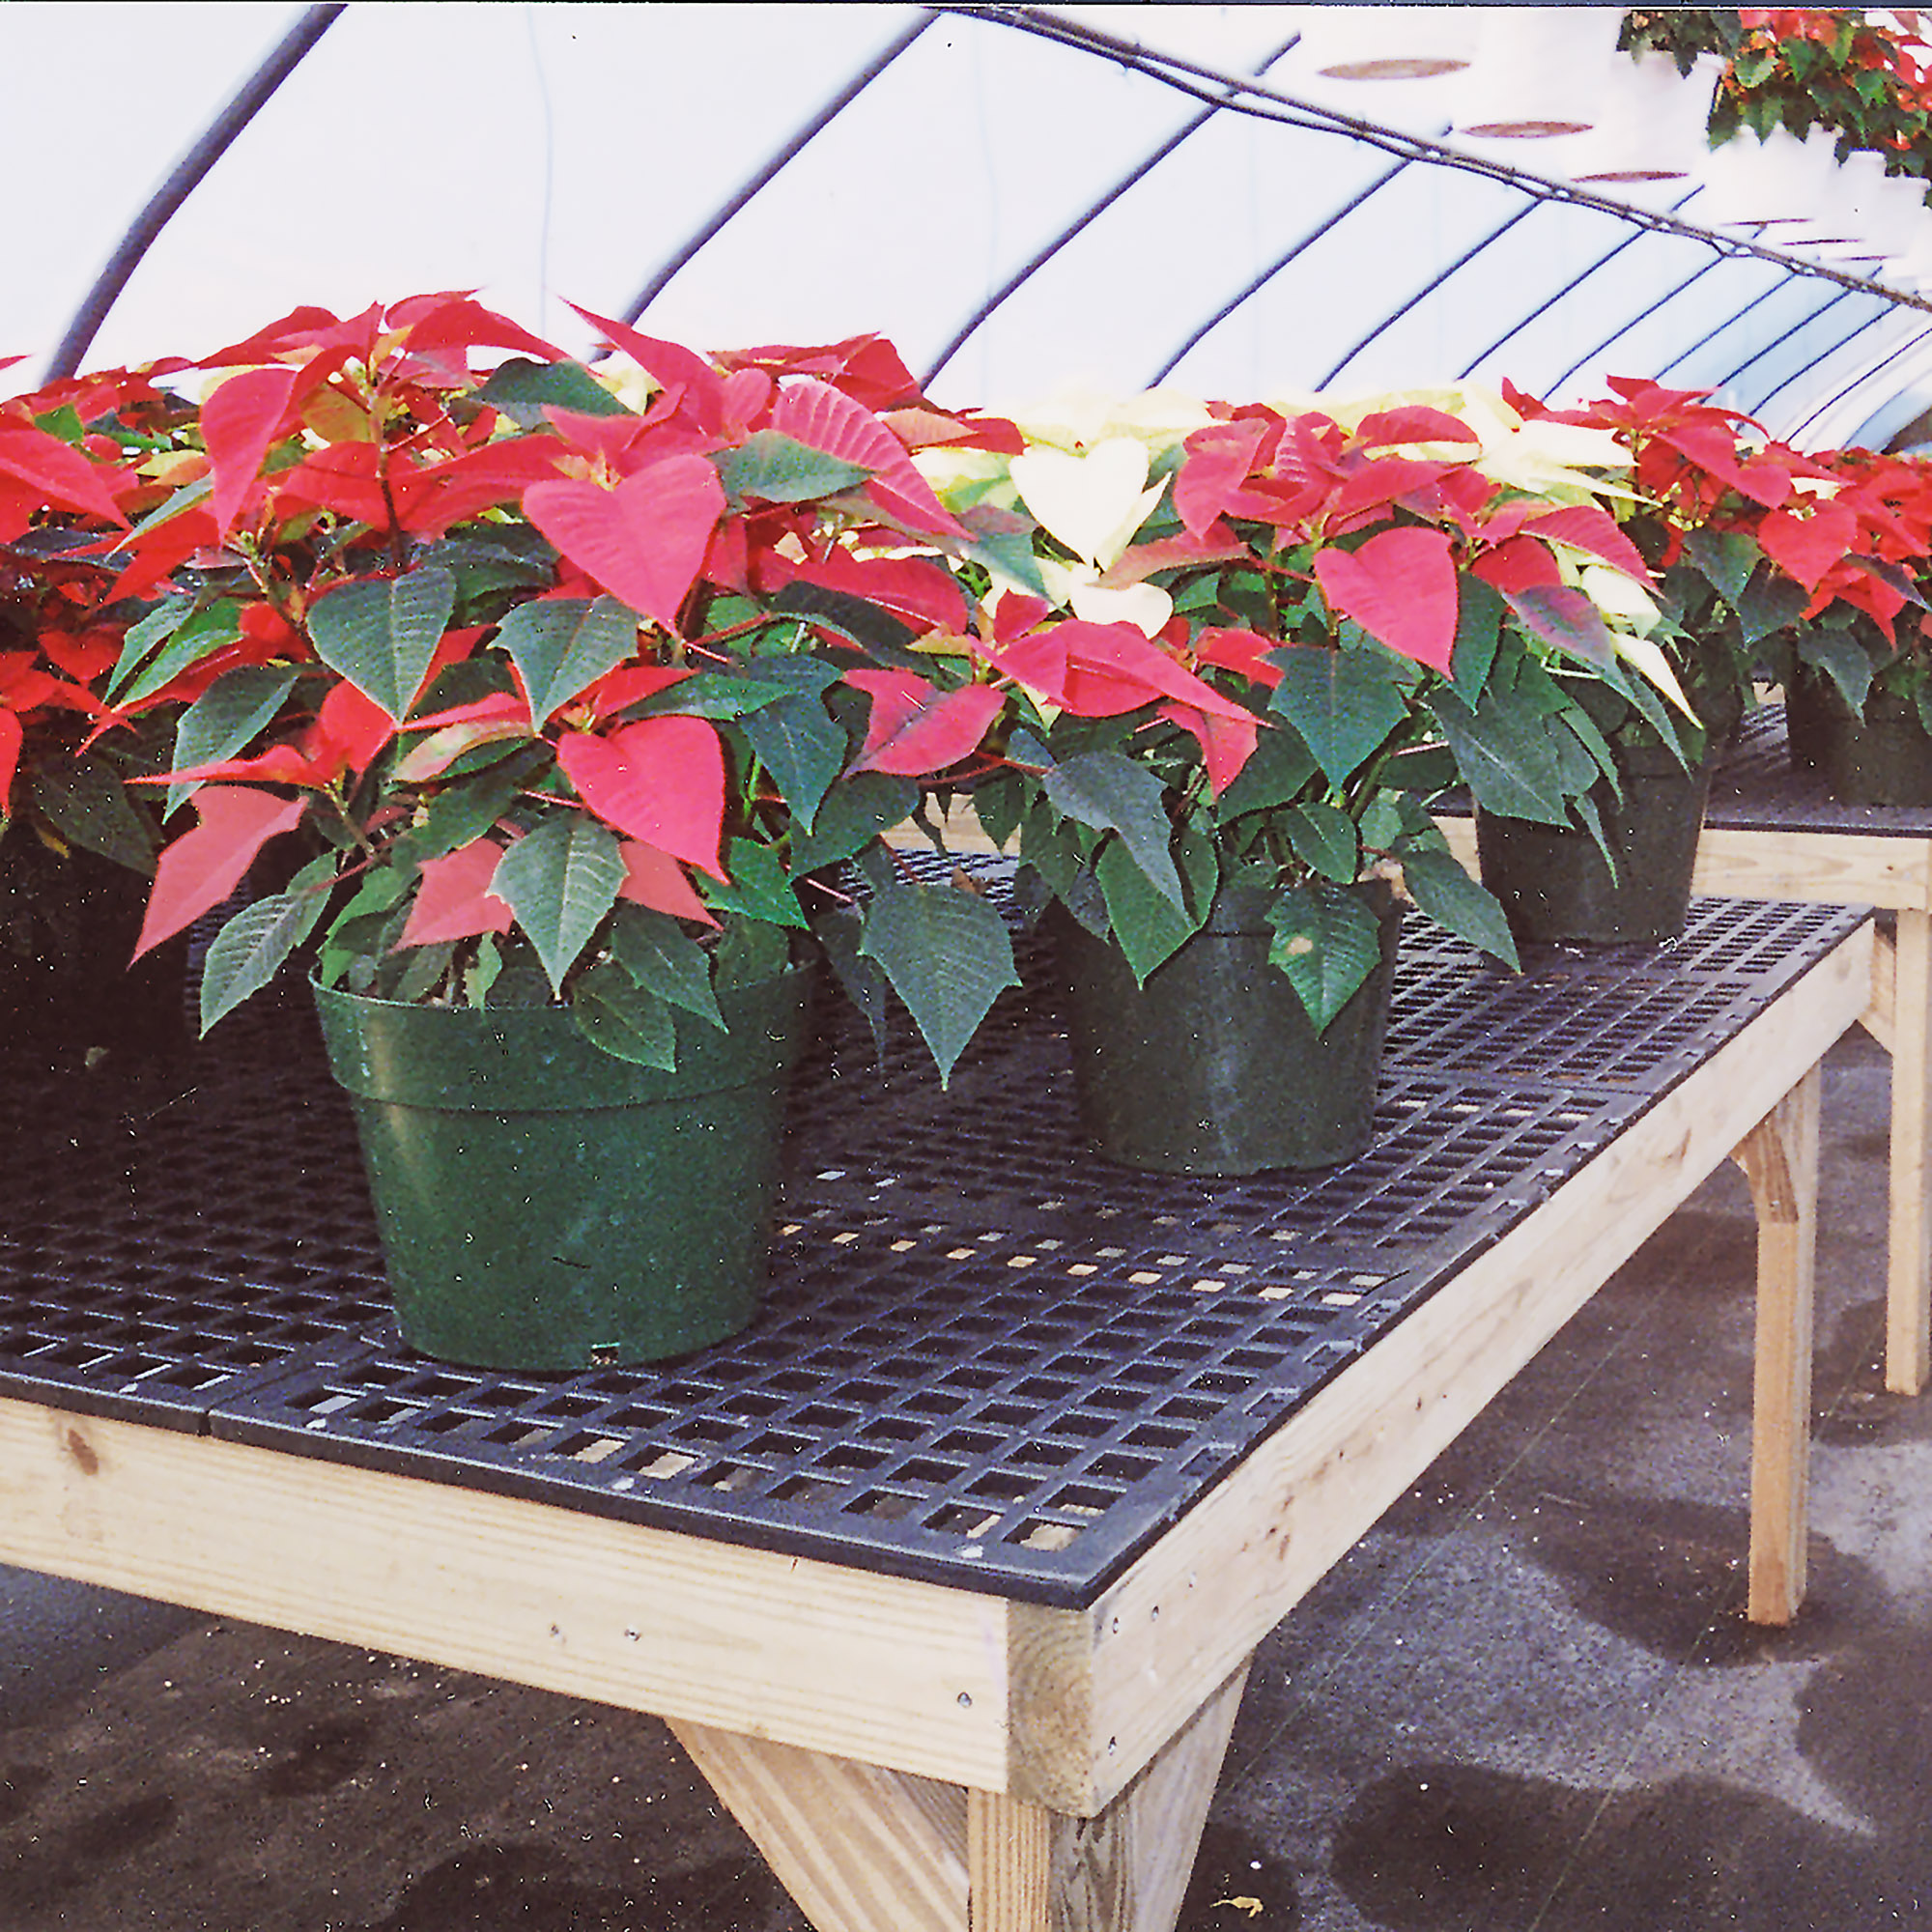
x=916, y=1758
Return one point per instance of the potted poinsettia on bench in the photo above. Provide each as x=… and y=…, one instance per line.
x=77, y=462
x=571, y=711
x=1243, y=629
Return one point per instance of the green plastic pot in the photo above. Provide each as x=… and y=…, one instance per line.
x=1551, y=880
x=1213, y=1067
x=1882, y=757
x=544, y=1206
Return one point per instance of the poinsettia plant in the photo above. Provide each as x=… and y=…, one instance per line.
x=75, y=464
x=1769, y=559
x=1862, y=75
x=546, y=695
x=1863, y=579
x=1247, y=627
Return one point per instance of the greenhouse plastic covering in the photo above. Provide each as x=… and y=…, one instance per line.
x=1022, y=199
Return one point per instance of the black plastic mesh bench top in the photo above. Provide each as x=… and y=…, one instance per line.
x=1757, y=789
x=986, y=1359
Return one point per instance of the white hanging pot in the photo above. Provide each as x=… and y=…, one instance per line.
x=1835, y=226
x=1911, y=268
x=1385, y=42
x=1652, y=121
x=1539, y=71
x=1750, y=183
x=1885, y=210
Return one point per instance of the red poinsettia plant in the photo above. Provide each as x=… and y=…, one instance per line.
x=77, y=466
x=1241, y=638
x=527, y=693
x=1767, y=556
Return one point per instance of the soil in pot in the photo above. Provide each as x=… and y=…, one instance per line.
x=1553, y=881
x=544, y=1206
x=1882, y=757
x=1213, y=1067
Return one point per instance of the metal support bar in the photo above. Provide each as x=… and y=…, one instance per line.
x=186, y=174
x=1018, y=280
x=777, y=164
x=1274, y=267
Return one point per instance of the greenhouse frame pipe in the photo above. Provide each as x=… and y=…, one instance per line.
x=183, y=178
x=1268, y=274
x=1430, y=286
x=1549, y=302
x=1642, y=315
x=1823, y=355
x=778, y=162
x=1024, y=274
x=1269, y=104
x=1711, y=335
x=1832, y=402
x=1777, y=341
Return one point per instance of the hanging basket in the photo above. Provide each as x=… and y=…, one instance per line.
x=545, y=1205
x=1539, y=72
x=1385, y=42
x=1652, y=122
x=1213, y=1067
x=1553, y=884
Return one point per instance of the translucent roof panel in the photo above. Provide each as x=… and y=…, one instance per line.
x=1018, y=197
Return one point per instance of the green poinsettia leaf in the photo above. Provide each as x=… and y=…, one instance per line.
x=1327, y=942
x=711, y=694
x=851, y=816
x=1443, y=891
x=1479, y=618
x=1324, y=840
x=461, y=812
x=796, y=738
x=1146, y=925
x=253, y=946
x=1112, y=793
x=883, y=636
x=948, y=955
x=777, y=469
x=749, y=952
x=184, y=639
x=361, y=930
x=624, y=1019
x=1275, y=772
x=561, y=648
x=381, y=633
x=759, y=888
x=1343, y=703
x=842, y=933
x=225, y=719
x=561, y=881
x=664, y=960
x=1726, y=559
x=86, y=802
x=1505, y=756
x=1842, y=659
x=522, y=389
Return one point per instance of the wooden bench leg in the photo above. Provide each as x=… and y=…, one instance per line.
x=867, y=1850
x=1908, y=1340
x=1127, y=1870
x=1779, y=1158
